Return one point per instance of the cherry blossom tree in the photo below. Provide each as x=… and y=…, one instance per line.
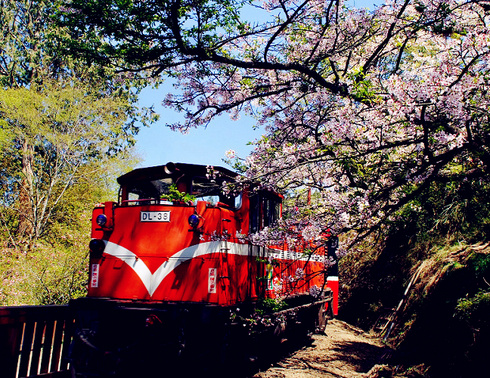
x=366, y=108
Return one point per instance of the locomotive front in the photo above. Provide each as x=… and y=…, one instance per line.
x=173, y=271
x=172, y=236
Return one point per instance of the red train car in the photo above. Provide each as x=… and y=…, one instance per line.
x=173, y=257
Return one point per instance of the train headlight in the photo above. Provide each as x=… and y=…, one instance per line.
x=194, y=220
x=97, y=247
x=101, y=220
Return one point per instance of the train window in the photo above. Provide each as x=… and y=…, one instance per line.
x=271, y=210
x=254, y=213
x=211, y=191
x=238, y=201
x=203, y=187
x=144, y=190
x=213, y=200
x=264, y=210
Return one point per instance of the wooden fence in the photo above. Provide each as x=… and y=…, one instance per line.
x=34, y=341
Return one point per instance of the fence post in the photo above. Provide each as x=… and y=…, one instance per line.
x=34, y=340
x=10, y=338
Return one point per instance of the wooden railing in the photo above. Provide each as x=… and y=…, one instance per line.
x=34, y=341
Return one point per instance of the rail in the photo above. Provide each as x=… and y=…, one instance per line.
x=34, y=341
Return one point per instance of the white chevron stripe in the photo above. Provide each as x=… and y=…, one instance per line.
x=152, y=281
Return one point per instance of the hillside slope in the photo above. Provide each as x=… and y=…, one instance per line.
x=442, y=322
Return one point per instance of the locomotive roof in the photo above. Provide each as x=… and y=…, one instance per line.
x=170, y=169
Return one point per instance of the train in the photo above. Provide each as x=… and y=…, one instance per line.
x=176, y=275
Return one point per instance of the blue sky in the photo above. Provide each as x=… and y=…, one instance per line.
x=158, y=144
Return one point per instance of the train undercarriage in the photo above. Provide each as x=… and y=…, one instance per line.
x=129, y=339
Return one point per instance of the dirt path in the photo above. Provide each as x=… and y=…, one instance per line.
x=343, y=351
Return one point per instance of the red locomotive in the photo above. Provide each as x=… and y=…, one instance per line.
x=172, y=269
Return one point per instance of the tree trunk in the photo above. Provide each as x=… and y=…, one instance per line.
x=25, y=227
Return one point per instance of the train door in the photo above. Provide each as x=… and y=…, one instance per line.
x=265, y=211
x=225, y=278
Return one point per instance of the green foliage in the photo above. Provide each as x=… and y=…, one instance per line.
x=55, y=272
x=5, y=134
x=66, y=130
x=480, y=263
x=455, y=209
x=270, y=305
x=362, y=88
x=175, y=194
x=201, y=23
x=60, y=133
x=475, y=309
